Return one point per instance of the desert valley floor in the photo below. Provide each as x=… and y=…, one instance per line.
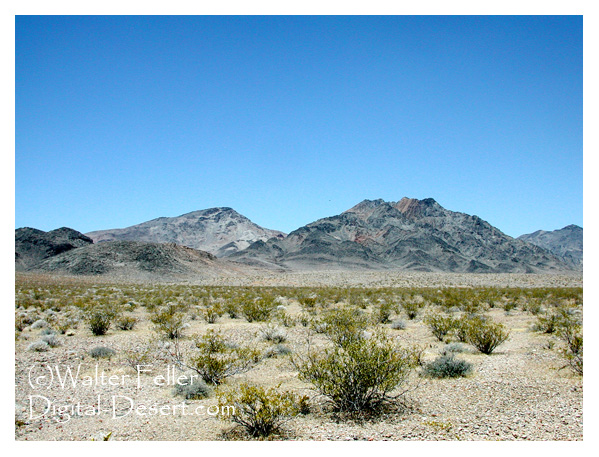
x=523, y=390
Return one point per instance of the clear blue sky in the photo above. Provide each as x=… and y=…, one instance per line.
x=289, y=119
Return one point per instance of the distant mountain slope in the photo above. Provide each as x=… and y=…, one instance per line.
x=136, y=260
x=219, y=231
x=417, y=235
x=565, y=243
x=33, y=245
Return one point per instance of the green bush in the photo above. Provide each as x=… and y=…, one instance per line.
x=440, y=325
x=383, y=313
x=412, y=308
x=259, y=309
x=447, y=367
x=100, y=319
x=126, y=322
x=213, y=312
x=571, y=334
x=342, y=325
x=169, y=321
x=359, y=375
x=486, y=335
x=216, y=359
x=548, y=323
x=260, y=411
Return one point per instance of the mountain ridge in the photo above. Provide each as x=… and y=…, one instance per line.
x=566, y=242
x=220, y=231
x=409, y=234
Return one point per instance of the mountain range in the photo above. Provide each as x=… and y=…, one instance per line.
x=565, y=243
x=407, y=235
x=411, y=234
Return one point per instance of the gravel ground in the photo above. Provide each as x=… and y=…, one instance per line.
x=520, y=392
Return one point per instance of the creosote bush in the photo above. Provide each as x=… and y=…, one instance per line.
x=215, y=359
x=486, y=335
x=412, y=308
x=342, y=325
x=169, y=321
x=260, y=411
x=258, y=309
x=571, y=334
x=126, y=322
x=359, y=375
x=439, y=324
x=99, y=321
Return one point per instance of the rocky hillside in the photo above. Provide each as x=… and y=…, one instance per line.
x=33, y=246
x=566, y=243
x=136, y=260
x=415, y=235
x=219, y=231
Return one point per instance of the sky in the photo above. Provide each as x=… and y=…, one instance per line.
x=288, y=119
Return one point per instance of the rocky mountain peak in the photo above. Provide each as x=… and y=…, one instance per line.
x=220, y=231
x=412, y=207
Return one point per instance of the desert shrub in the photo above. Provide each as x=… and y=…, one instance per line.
x=447, y=367
x=273, y=334
x=258, y=310
x=51, y=339
x=126, y=322
x=461, y=327
x=452, y=348
x=192, y=388
x=571, y=334
x=486, y=335
x=213, y=312
x=398, y=324
x=38, y=346
x=282, y=316
x=383, y=313
x=509, y=306
x=342, y=325
x=169, y=321
x=360, y=375
x=101, y=352
x=99, y=319
x=141, y=355
x=260, y=411
x=215, y=359
x=548, y=323
x=63, y=324
x=276, y=350
x=40, y=323
x=439, y=325
x=20, y=322
x=305, y=319
x=308, y=302
x=412, y=308
x=471, y=306
x=415, y=354
x=231, y=307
